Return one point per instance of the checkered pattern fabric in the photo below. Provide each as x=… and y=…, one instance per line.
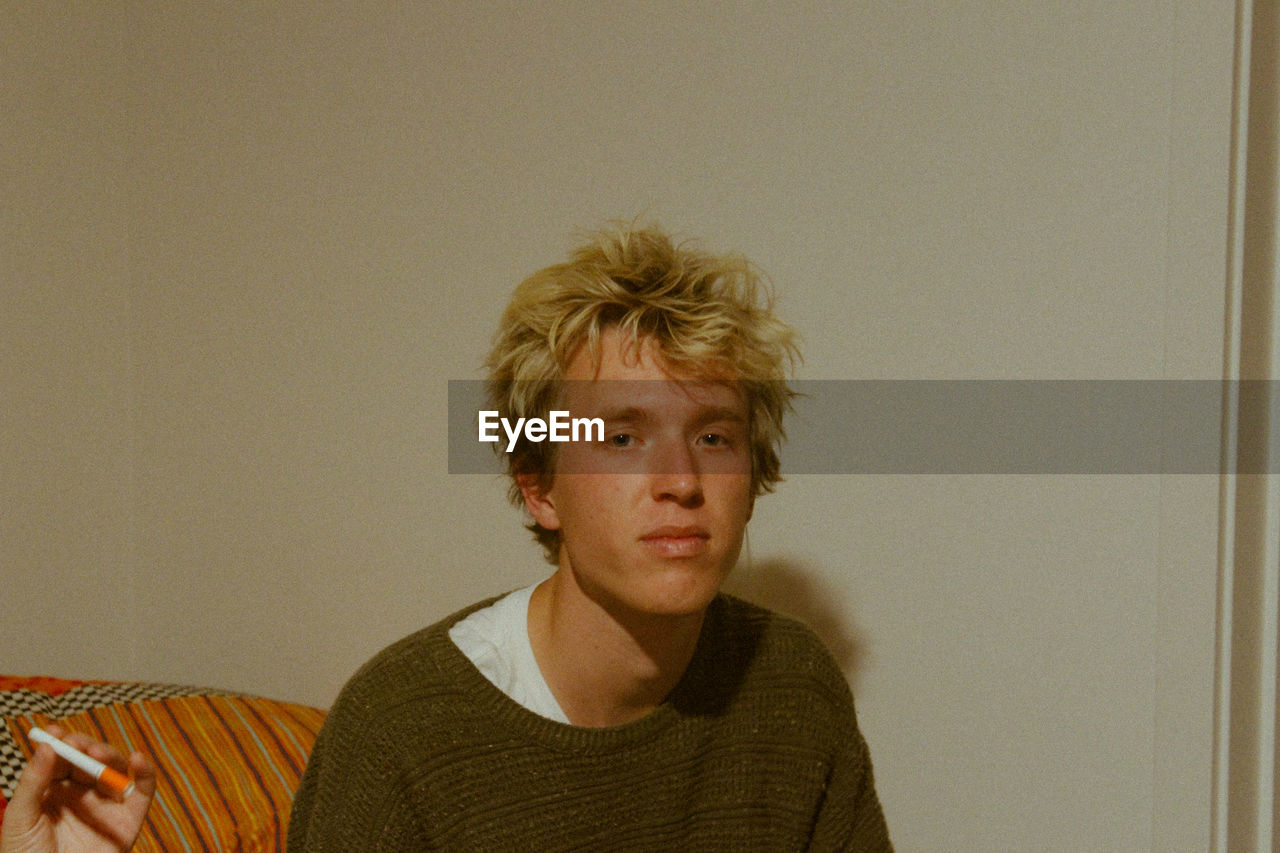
x=11, y=763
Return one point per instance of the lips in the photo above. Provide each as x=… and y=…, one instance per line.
x=676, y=541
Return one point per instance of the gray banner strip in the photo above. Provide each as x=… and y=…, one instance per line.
x=987, y=427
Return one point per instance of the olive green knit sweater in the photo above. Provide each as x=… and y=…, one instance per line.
x=757, y=748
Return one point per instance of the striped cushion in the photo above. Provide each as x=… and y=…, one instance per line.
x=227, y=764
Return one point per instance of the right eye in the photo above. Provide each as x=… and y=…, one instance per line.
x=621, y=439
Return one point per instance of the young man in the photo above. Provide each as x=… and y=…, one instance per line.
x=623, y=703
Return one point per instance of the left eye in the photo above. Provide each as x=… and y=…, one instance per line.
x=713, y=439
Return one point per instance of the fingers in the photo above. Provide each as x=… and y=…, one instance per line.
x=54, y=802
x=143, y=773
x=42, y=771
x=24, y=814
x=137, y=765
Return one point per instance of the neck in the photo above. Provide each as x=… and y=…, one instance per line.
x=604, y=665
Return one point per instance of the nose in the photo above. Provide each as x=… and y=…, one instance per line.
x=674, y=475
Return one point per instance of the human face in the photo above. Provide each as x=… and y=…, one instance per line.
x=651, y=519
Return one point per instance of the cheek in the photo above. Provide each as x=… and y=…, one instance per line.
x=734, y=494
x=586, y=501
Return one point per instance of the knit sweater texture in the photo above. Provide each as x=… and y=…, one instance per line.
x=757, y=748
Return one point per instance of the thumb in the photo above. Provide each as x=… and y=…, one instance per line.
x=23, y=813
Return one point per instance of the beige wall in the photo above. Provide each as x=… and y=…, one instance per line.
x=243, y=250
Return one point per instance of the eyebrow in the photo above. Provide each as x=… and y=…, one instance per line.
x=625, y=413
x=713, y=414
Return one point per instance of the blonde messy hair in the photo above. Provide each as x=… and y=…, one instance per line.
x=704, y=313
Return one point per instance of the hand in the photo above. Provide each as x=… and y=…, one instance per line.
x=57, y=809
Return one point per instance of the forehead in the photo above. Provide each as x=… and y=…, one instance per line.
x=636, y=375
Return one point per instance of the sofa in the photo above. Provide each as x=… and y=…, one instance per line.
x=228, y=763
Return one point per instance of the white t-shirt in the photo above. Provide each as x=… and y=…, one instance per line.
x=496, y=640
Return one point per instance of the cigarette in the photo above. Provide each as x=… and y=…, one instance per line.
x=114, y=781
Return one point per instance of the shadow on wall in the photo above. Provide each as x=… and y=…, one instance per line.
x=791, y=589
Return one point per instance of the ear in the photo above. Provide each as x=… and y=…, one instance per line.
x=538, y=501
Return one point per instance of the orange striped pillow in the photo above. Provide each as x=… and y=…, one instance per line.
x=227, y=764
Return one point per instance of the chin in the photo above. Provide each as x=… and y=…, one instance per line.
x=684, y=593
